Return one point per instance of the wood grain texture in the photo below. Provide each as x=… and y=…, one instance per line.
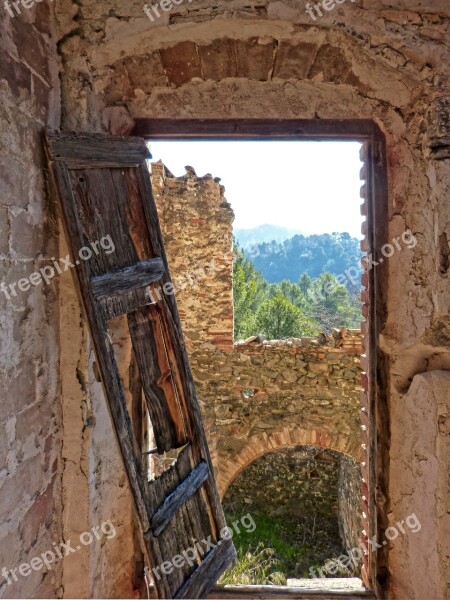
x=176, y=499
x=189, y=396
x=156, y=376
x=212, y=567
x=262, y=592
x=254, y=129
x=94, y=149
x=129, y=278
x=104, y=189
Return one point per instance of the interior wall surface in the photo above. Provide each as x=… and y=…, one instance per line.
x=361, y=60
x=31, y=462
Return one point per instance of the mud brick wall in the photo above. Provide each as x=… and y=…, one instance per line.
x=30, y=409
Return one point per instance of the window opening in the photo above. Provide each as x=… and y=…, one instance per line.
x=296, y=293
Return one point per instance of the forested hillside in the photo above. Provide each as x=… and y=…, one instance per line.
x=313, y=254
x=306, y=301
x=263, y=233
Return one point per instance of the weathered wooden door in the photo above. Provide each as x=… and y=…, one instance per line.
x=104, y=188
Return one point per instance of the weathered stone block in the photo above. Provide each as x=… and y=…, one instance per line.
x=218, y=60
x=32, y=47
x=255, y=57
x=40, y=514
x=17, y=75
x=26, y=240
x=293, y=61
x=181, y=63
x=330, y=64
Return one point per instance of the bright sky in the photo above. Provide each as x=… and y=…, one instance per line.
x=309, y=186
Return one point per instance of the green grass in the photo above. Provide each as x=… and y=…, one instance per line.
x=276, y=550
x=255, y=565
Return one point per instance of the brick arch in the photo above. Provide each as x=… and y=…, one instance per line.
x=259, y=445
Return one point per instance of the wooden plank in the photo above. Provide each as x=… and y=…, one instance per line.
x=254, y=129
x=174, y=501
x=156, y=376
x=379, y=384
x=91, y=150
x=194, y=427
x=240, y=592
x=198, y=520
x=200, y=447
x=169, y=543
x=179, y=535
x=128, y=278
x=123, y=304
x=212, y=567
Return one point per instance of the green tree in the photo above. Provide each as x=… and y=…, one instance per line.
x=249, y=290
x=292, y=292
x=305, y=283
x=277, y=318
x=331, y=305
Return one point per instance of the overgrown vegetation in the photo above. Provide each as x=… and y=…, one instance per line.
x=289, y=308
x=278, y=549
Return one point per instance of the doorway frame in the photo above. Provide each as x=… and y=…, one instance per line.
x=375, y=429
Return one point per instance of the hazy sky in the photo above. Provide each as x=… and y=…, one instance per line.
x=309, y=186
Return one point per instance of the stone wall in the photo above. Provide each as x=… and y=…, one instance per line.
x=248, y=389
x=196, y=224
x=300, y=488
x=261, y=391
x=362, y=60
x=30, y=411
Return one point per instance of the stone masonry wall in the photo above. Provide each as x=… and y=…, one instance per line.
x=248, y=389
x=196, y=223
x=297, y=488
x=30, y=410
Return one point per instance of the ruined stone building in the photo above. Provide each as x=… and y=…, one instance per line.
x=371, y=70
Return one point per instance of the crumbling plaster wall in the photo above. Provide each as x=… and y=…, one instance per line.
x=30, y=411
x=366, y=59
x=94, y=484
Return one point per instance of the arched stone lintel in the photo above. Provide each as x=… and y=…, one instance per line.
x=259, y=445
